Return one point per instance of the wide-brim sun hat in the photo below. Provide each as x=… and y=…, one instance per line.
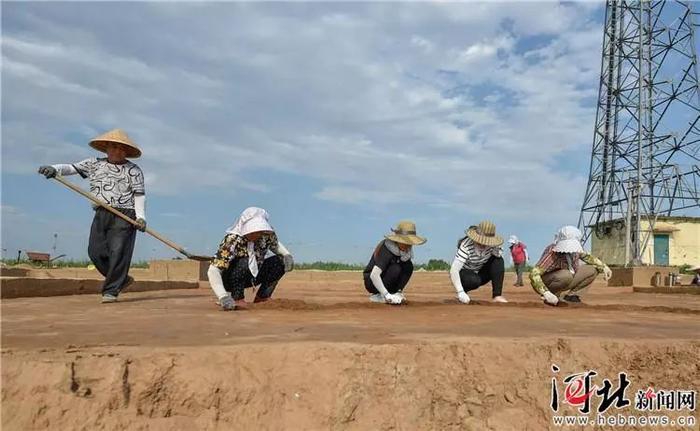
x=513, y=240
x=485, y=234
x=405, y=233
x=568, y=240
x=117, y=136
x=256, y=225
x=252, y=219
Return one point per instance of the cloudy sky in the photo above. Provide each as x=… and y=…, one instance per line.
x=338, y=118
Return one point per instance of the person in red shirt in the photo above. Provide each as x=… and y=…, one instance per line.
x=518, y=253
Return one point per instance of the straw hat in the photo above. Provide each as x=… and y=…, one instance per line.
x=118, y=136
x=405, y=233
x=568, y=240
x=485, y=234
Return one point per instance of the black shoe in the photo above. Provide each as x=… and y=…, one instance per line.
x=572, y=298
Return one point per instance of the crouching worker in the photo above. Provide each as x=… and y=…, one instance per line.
x=559, y=272
x=479, y=260
x=250, y=254
x=119, y=183
x=390, y=266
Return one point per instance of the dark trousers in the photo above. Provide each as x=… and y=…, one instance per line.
x=493, y=271
x=238, y=276
x=519, y=268
x=395, y=277
x=110, y=248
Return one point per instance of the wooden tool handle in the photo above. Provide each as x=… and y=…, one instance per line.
x=109, y=208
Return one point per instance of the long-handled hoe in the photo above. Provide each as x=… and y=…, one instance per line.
x=149, y=231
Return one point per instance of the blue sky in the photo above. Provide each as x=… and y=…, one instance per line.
x=338, y=118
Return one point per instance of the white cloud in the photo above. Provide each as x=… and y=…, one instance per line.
x=344, y=94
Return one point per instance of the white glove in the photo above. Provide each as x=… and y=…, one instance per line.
x=393, y=299
x=607, y=273
x=463, y=297
x=550, y=298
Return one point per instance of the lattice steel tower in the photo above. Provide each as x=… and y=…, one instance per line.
x=646, y=145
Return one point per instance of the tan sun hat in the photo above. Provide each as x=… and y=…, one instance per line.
x=485, y=234
x=405, y=233
x=118, y=136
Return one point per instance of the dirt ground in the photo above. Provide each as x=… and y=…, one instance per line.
x=320, y=356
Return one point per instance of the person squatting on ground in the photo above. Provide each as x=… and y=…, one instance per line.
x=390, y=267
x=119, y=183
x=250, y=254
x=479, y=260
x=559, y=272
x=696, y=275
x=519, y=256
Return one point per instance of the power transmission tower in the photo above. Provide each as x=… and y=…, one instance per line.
x=646, y=145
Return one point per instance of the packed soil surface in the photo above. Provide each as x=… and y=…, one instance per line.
x=320, y=356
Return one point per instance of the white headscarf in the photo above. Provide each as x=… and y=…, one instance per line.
x=252, y=219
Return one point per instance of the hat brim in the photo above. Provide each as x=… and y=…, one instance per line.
x=568, y=246
x=406, y=239
x=132, y=151
x=256, y=225
x=490, y=241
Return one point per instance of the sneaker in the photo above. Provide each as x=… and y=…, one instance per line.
x=401, y=295
x=108, y=299
x=500, y=299
x=572, y=298
x=226, y=303
x=377, y=297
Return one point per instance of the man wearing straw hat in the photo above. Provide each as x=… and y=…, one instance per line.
x=390, y=267
x=559, y=272
x=478, y=261
x=119, y=183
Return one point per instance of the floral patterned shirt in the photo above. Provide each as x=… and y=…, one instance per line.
x=234, y=246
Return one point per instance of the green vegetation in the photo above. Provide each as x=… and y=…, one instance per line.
x=432, y=265
x=68, y=263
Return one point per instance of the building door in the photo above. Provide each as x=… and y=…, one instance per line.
x=661, y=249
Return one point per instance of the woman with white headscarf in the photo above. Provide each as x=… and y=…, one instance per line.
x=559, y=273
x=250, y=254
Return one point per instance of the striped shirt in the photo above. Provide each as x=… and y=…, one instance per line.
x=472, y=257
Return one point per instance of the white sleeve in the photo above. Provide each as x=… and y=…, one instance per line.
x=140, y=206
x=64, y=169
x=527, y=256
x=454, y=275
x=281, y=249
x=376, y=277
x=215, y=281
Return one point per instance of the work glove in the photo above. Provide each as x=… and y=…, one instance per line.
x=226, y=303
x=48, y=171
x=607, y=273
x=390, y=298
x=288, y=262
x=550, y=298
x=141, y=224
x=463, y=297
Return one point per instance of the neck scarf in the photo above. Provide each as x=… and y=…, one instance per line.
x=396, y=251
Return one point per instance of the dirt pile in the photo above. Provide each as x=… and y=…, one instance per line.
x=494, y=384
